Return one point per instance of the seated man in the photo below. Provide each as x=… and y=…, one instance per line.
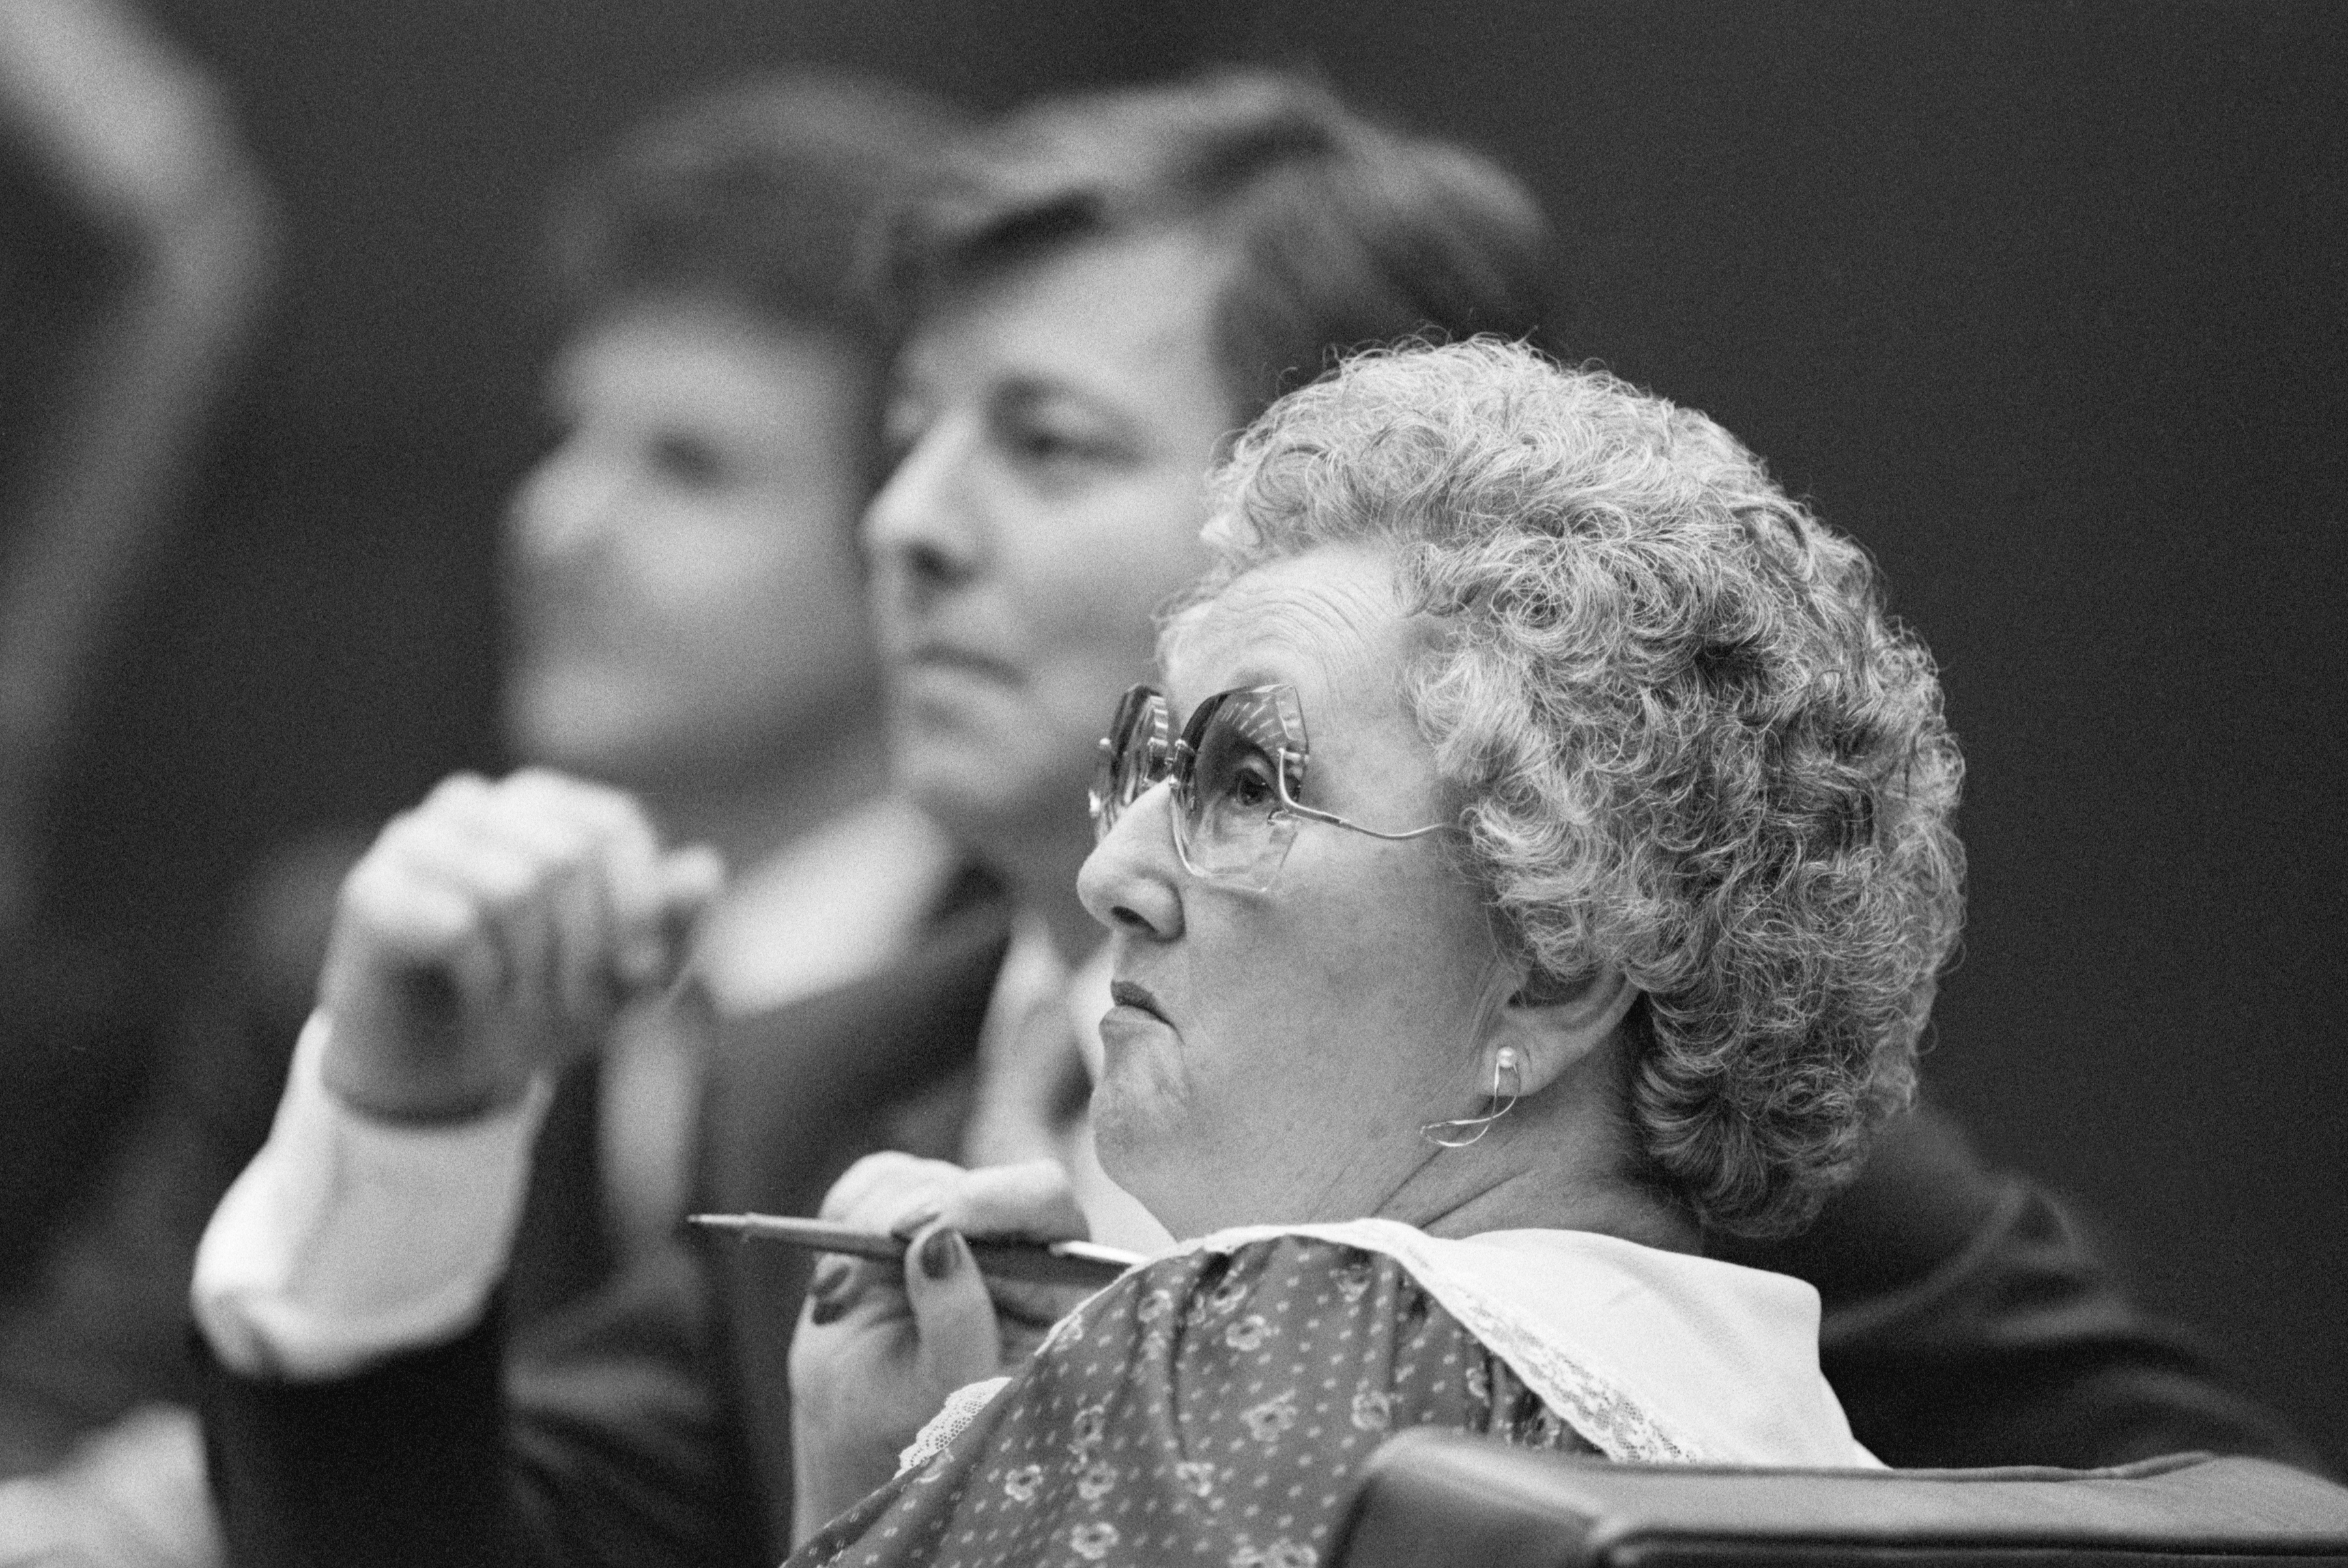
x=687, y=620
x=1125, y=280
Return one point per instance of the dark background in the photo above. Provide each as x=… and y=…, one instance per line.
x=2043, y=301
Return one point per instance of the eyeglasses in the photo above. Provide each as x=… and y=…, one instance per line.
x=1236, y=771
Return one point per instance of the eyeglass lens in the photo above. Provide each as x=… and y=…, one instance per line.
x=1229, y=821
x=1232, y=827
x=1132, y=756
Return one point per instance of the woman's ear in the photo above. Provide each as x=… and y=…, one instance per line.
x=1556, y=1026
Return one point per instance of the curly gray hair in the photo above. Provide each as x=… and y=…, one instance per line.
x=1690, y=742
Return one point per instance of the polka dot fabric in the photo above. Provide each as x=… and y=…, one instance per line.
x=1209, y=1410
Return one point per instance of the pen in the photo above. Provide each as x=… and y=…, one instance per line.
x=1039, y=1263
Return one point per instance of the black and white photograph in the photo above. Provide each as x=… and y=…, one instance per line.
x=1254, y=784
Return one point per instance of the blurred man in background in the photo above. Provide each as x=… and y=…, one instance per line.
x=687, y=621
x=684, y=598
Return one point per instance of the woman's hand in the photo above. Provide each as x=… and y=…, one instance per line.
x=879, y=1349
x=493, y=933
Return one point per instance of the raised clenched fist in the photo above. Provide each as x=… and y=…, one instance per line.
x=493, y=931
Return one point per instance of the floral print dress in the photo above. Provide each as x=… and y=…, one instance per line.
x=1212, y=1407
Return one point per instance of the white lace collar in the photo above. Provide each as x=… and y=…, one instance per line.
x=1652, y=1355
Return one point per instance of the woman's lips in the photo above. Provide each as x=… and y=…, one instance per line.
x=1125, y=994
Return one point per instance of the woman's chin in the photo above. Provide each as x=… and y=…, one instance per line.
x=1137, y=1150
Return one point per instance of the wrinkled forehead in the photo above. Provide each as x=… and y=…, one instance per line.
x=1330, y=620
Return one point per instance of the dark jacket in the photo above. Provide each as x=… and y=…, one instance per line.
x=1966, y=1325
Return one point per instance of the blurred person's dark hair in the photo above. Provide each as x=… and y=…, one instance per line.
x=1341, y=231
x=773, y=196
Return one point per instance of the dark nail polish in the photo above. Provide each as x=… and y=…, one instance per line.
x=832, y=1278
x=826, y=1309
x=914, y=1223
x=939, y=1253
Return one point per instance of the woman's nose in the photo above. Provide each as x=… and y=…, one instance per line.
x=1131, y=881
x=921, y=532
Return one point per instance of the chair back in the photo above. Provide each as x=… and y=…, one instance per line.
x=1450, y=1500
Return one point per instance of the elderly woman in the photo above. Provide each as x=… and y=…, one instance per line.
x=1540, y=857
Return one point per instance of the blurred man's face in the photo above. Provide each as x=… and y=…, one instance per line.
x=684, y=591
x=1054, y=424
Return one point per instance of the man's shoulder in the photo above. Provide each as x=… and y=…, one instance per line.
x=1923, y=1200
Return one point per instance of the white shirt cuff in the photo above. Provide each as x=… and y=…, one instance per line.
x=349, y=1239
